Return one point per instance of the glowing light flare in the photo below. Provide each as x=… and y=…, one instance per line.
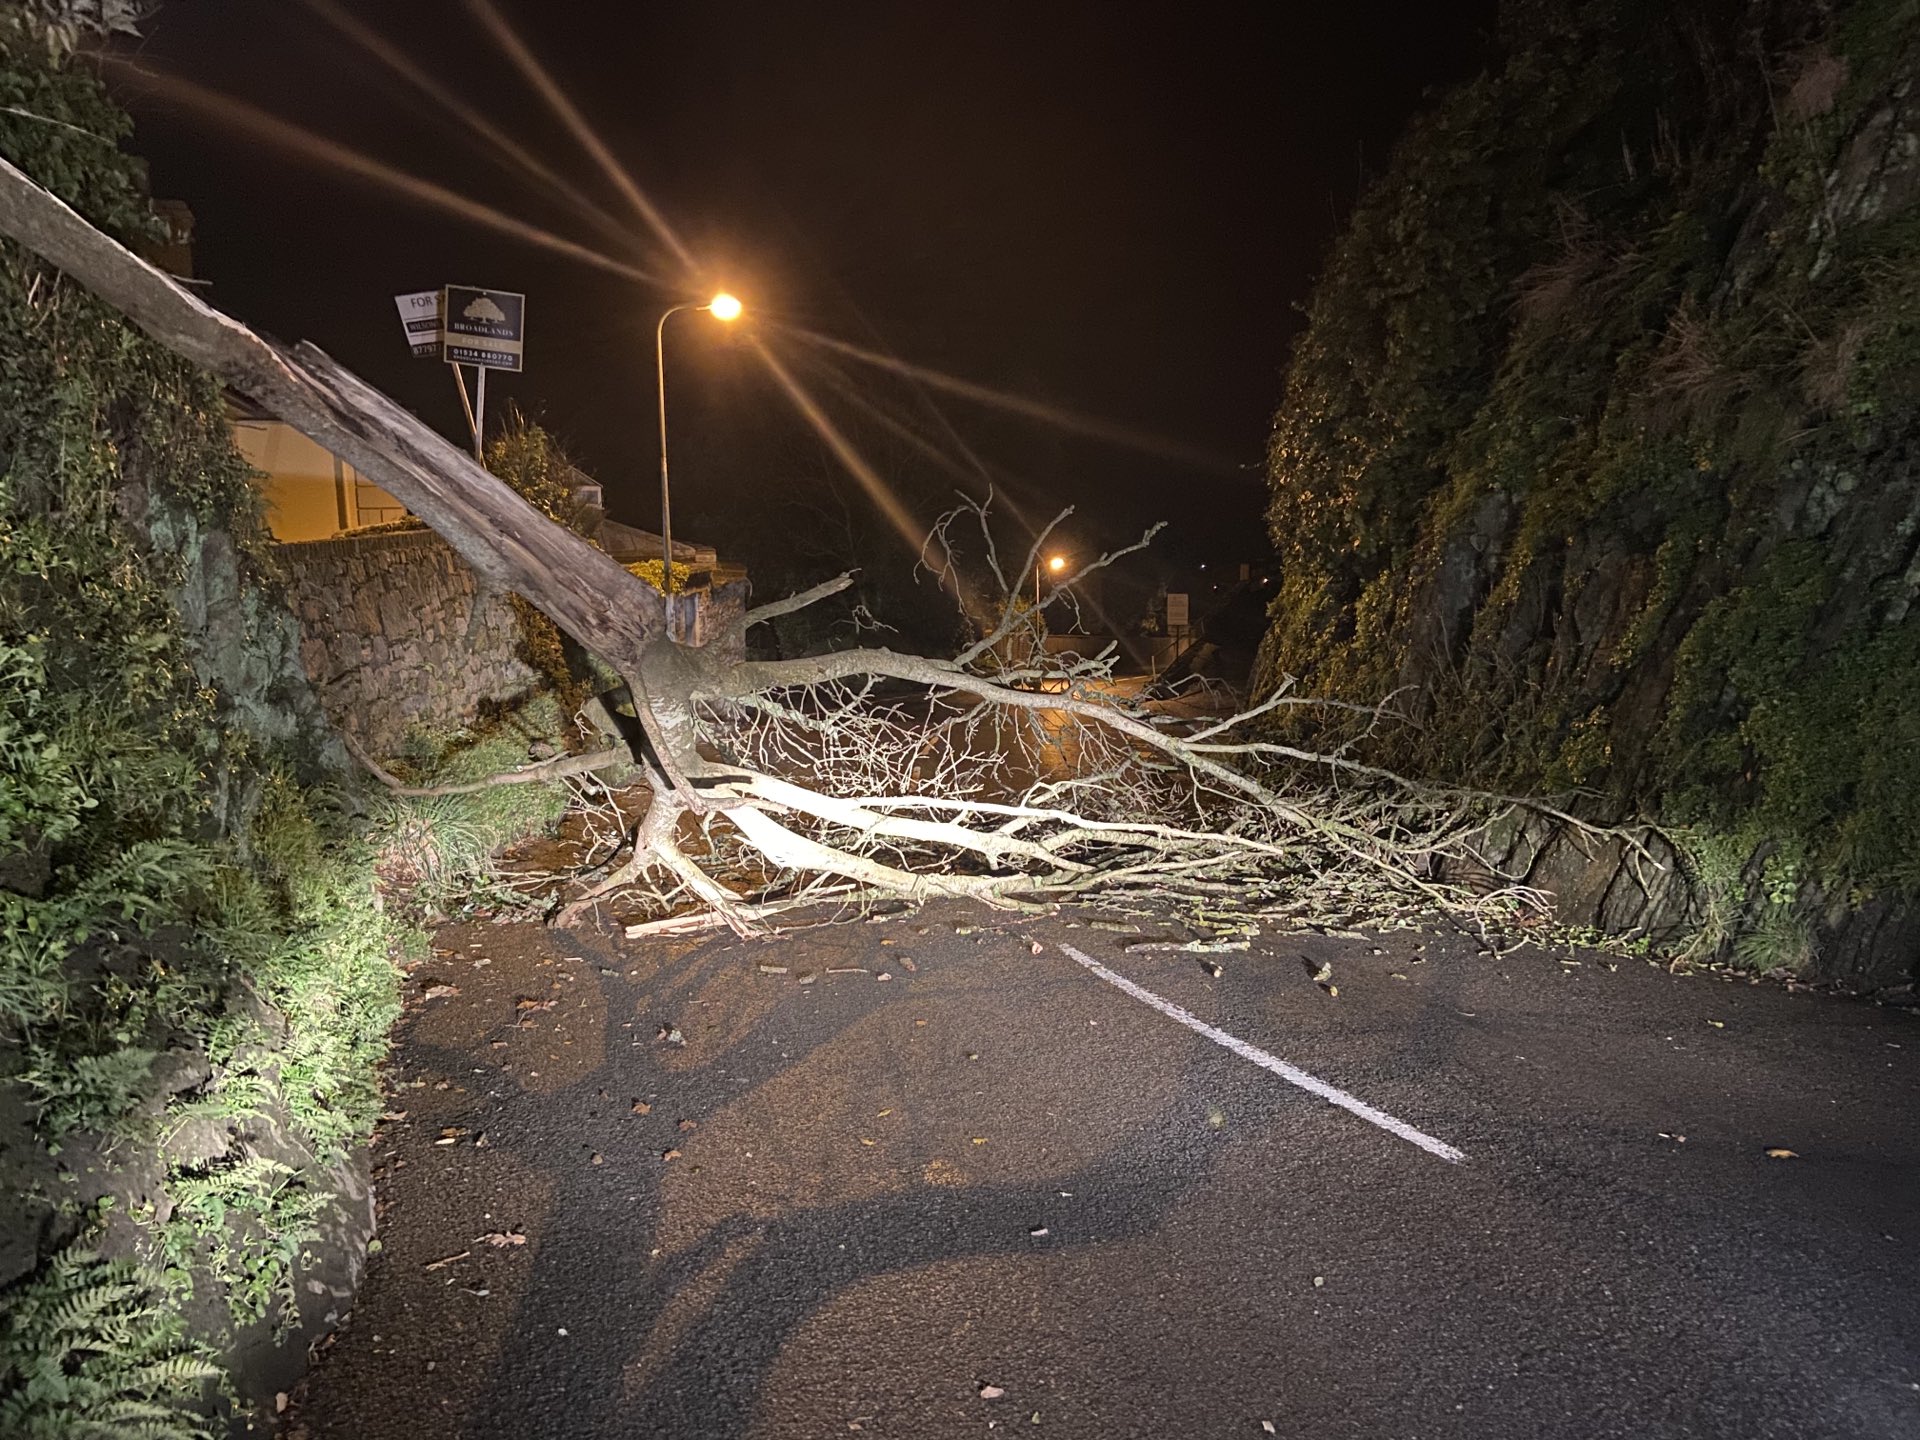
x=1057, y=564
x=1091, y=426
x=725, y=307
x=270, y=129
x=847, y=391
x=390, y=55
x=536, y=75
x=877, y=489
x=869, y=479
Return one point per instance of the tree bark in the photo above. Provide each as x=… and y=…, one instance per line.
x=509, y=544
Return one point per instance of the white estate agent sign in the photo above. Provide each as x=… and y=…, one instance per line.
x=420, y=314
x=486, y=328
x=465, y=325
x=1176, y=611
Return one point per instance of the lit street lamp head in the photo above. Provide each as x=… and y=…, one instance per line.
x=722, y=307
x=1055, y=563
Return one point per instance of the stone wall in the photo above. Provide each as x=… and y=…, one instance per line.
x=394, y=633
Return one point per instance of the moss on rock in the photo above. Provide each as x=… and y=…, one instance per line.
x=1596, y=449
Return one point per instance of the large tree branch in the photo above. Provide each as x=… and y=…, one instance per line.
x=508, y=543
x=557, y=768
x=1163, y=809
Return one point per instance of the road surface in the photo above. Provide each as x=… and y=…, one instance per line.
x=670, y=1189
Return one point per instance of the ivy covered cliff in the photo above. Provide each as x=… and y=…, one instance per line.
x=1599, y=453
x=196, y=971
x=204, y=911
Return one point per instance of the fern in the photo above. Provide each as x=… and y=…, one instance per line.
x=243, y=1223
x=88, y=1092
x=140, y=887
x=90, y=1348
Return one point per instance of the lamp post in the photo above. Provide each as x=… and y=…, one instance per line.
x=1056, y=564
x=722, y=307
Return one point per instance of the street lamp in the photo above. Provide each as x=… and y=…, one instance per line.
x=722, y=307
x=1056, y=564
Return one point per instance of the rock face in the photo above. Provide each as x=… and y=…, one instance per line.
x=1598, y=454
x=1635, y=886
x=197, y=971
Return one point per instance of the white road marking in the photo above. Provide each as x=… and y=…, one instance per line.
x=1292, y=1074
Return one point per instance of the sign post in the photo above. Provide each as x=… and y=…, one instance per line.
x=465, y=325
x=1178, y=612
x=420, y=316
x=487, y=330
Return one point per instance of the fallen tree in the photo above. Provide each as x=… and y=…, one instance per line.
x=1001, y=776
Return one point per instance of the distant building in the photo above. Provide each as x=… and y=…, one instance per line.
x=628, y=545
x=312, y=494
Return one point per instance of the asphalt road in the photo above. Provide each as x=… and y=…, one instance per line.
x=997, y=1192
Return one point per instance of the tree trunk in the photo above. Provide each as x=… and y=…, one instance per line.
x=509, y=544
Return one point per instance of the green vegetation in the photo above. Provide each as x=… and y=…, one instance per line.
x=1593, y=451
x=90, y=1348
x=189, y=926
x=530, y=459
x=197, y=950
x=244, y=1223
x=437, y=850
x=654, y=572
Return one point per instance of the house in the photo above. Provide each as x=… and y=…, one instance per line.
x=396, y=631
x=311, y=494
x=630, y=545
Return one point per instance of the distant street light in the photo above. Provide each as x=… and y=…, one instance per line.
x=722, y=307
x=1056, y=564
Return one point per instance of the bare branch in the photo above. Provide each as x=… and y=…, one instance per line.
x=774, y=609
x=557, y=768
x=776, y=784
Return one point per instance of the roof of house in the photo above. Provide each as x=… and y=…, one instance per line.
x=626, y=543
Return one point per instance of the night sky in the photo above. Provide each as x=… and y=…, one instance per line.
x=1110, y=208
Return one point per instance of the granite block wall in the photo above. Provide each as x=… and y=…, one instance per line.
x=394, y=632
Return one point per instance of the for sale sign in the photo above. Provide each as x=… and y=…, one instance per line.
x=420, y=315
x=483, y=327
